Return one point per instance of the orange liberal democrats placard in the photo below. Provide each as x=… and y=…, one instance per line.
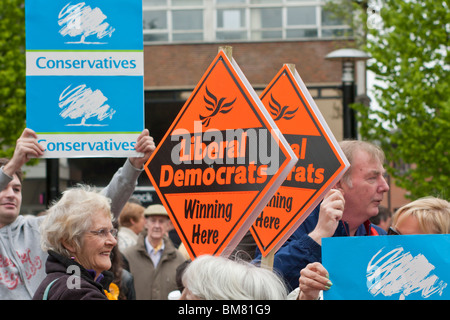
x=320, y=165
x=220, y=162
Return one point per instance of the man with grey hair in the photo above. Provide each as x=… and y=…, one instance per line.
x=21, y=257
x=153, y=260
x=344, y=211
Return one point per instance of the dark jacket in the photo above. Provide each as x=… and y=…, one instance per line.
x=69, y=273
x=300, y=250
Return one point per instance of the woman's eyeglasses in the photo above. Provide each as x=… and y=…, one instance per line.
x=393, y=232
x=104, y=232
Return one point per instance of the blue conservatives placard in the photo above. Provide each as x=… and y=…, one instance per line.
x=409, y=267
x=83, y=24
x=85, y=104
x=84, y=76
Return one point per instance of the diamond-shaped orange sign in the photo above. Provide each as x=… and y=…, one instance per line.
x=220, y=162
x=321, y=162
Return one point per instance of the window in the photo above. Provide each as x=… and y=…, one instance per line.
x=301, y=16
x=238, y=20
x=231, y=24
x=266, y=23
x=230, y=1
x=186, y=2
x=156, y=22
x=187, y=25
x=302, y=22
x=333, y=26
x=266, y=1
x=154, y=2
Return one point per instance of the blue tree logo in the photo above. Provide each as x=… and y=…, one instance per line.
x=399, y=272
x=84, y=103
x=81, y=20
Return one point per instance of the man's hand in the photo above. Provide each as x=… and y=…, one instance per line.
x=26, y=148
x=331, y=211
x=145, y=145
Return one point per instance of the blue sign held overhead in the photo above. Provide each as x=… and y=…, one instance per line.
x=85, y=76
x=408, y=267
x=83, y=25
x=85, y=104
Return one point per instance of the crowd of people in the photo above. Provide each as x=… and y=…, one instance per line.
x=105, y=245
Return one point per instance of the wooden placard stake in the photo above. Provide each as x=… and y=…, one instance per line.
x=228, y=50
x=267, y=261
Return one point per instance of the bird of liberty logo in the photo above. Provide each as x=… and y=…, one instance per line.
x=81, y=20
x=84, y=103
x=215, y=107
x=278, y=112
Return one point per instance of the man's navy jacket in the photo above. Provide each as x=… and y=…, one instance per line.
x=300, y=250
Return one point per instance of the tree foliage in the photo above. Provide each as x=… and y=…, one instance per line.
x=412, y=121
x=12, y=74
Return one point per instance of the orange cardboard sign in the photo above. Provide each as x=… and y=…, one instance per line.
x=320, y=165
x=220, y=162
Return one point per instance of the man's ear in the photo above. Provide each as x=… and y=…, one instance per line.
x=339, y=186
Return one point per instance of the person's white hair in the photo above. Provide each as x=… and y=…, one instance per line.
x=71, y=216
x=218, y=278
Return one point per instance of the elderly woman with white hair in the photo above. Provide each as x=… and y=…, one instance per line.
x=79, y=236
x=218, y=278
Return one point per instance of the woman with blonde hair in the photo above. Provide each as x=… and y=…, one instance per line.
x=427, y=215
x=78, y=235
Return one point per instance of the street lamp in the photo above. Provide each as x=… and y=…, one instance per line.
x=348, y=58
